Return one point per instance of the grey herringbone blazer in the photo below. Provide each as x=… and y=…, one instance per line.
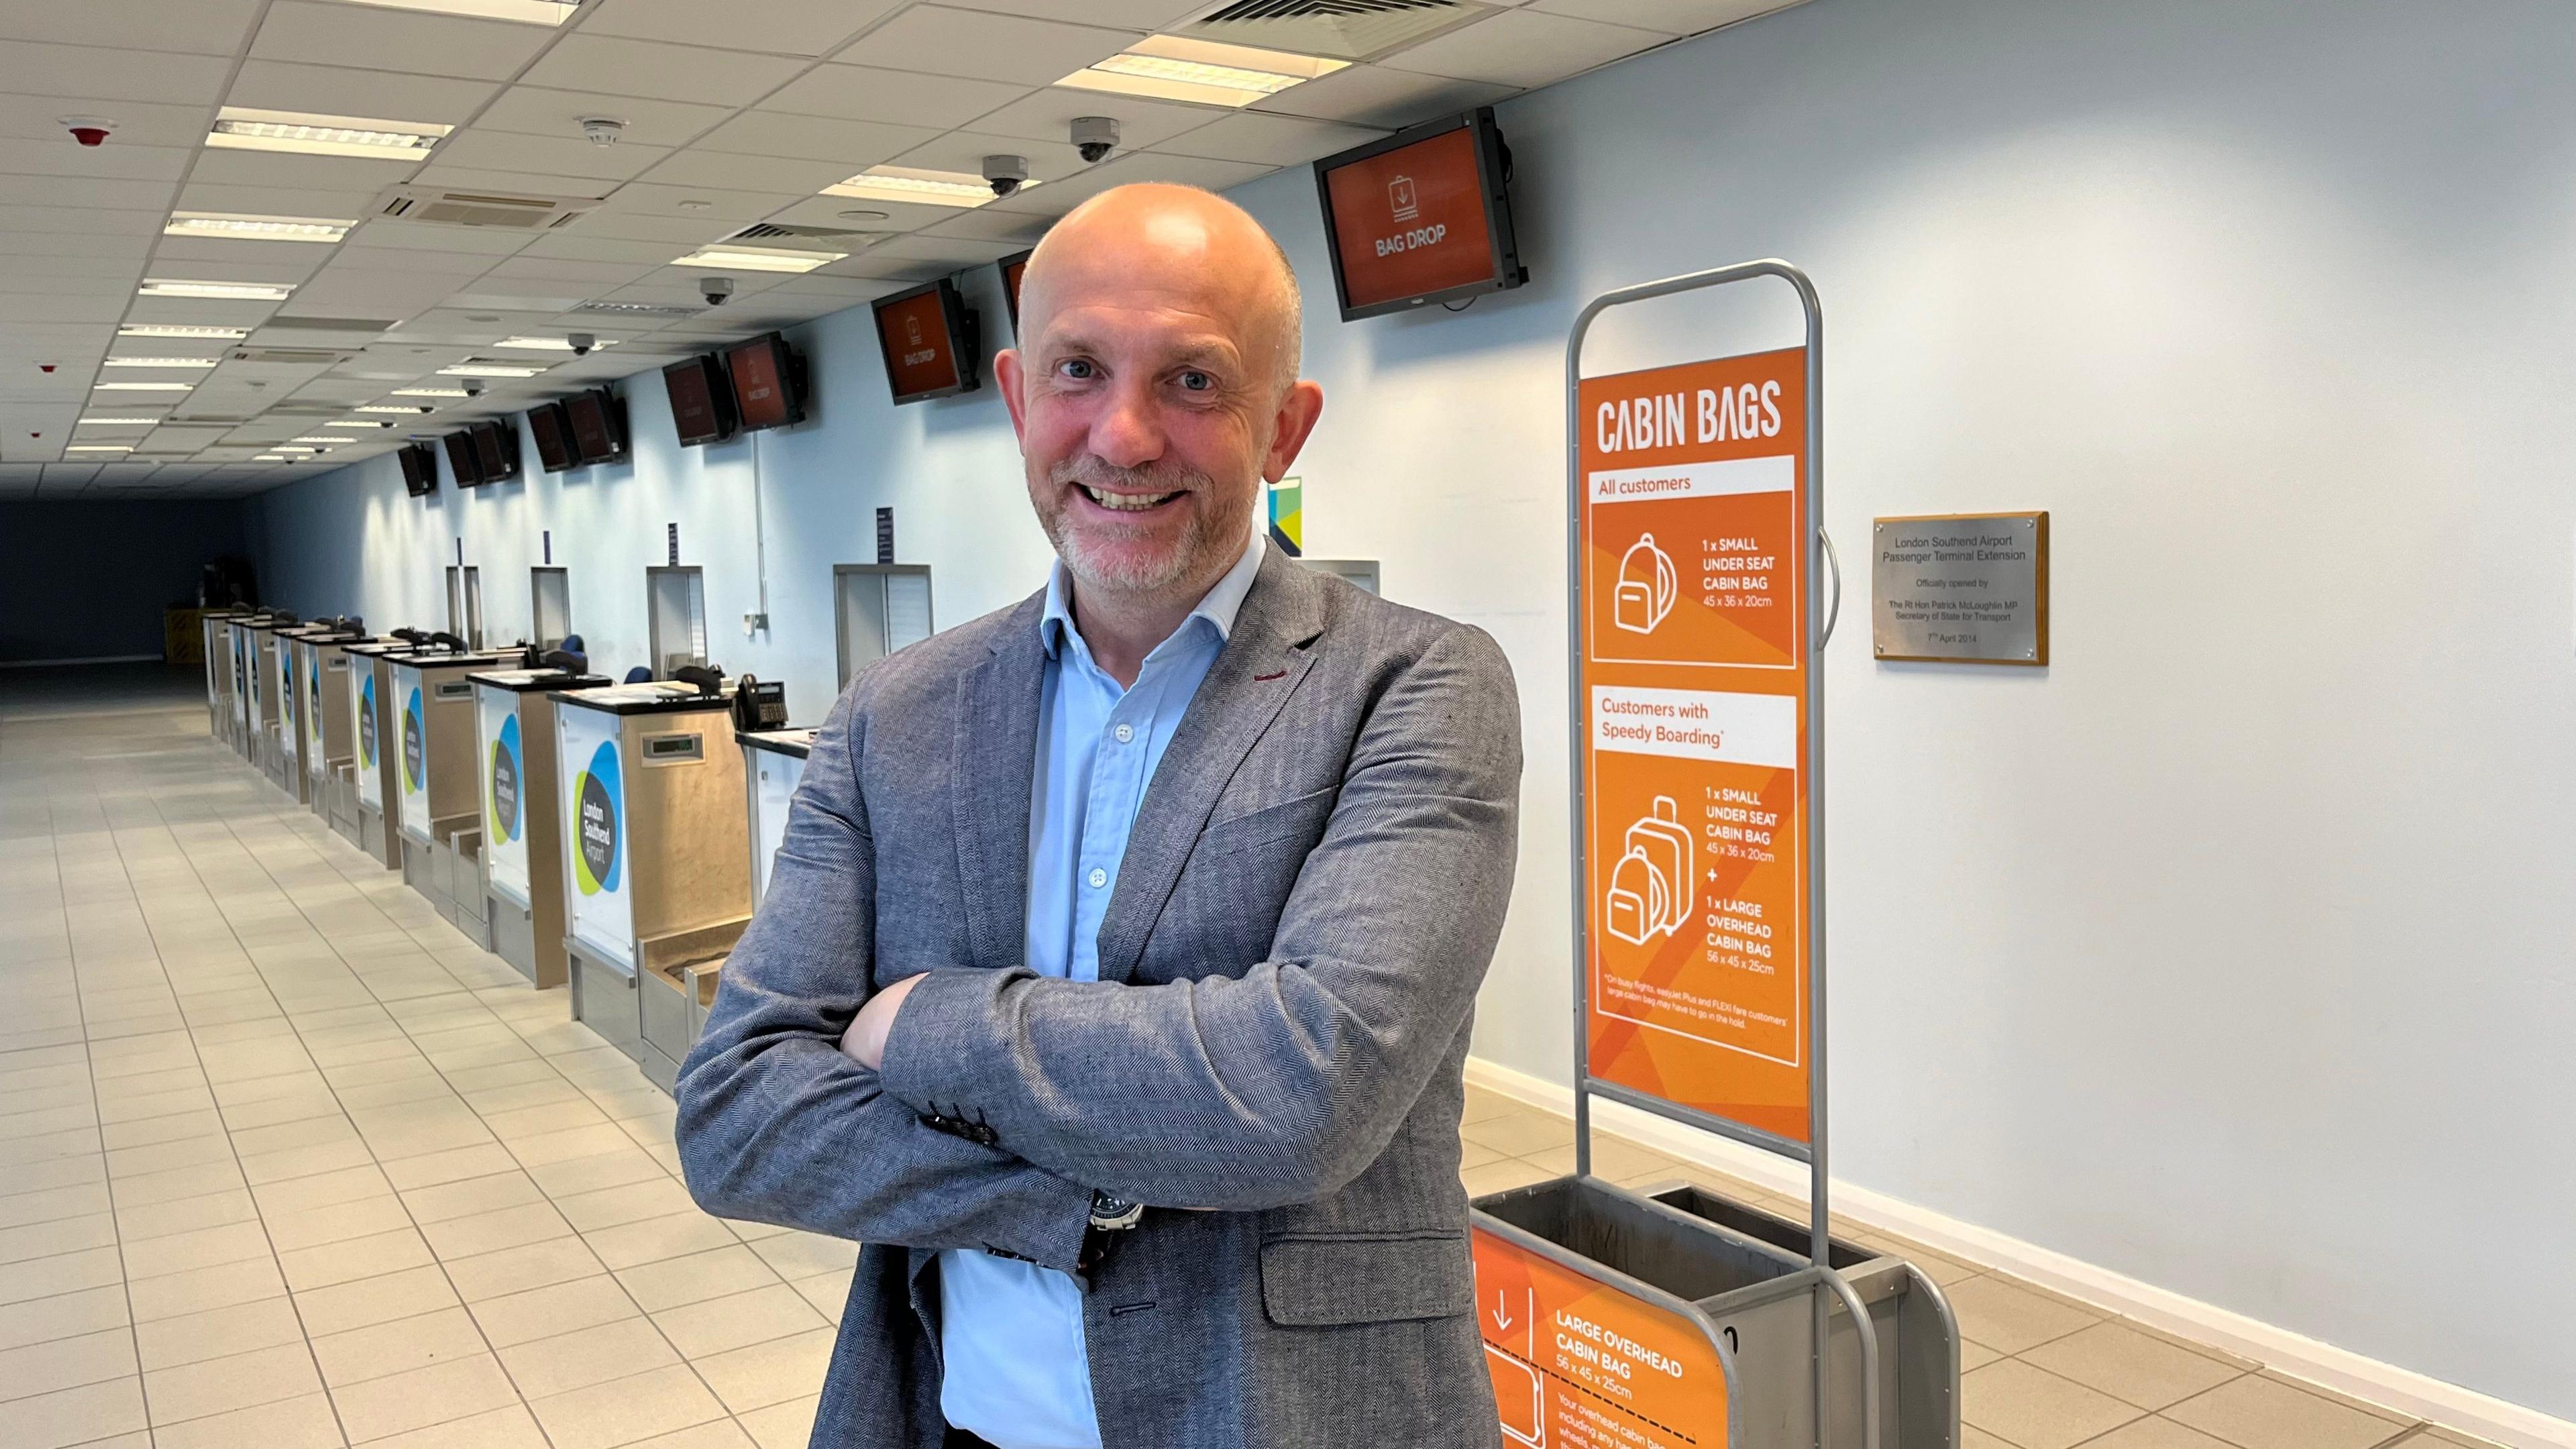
x=1289, y=962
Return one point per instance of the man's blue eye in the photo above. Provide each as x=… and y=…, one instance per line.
x=1197, y=381
x=1077, y=369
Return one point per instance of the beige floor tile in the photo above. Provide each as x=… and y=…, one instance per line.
x=558, y=1365
x=802, y=1255
x=610, y=1207
x=297, y=1162
x=512, y=1427
x=565, y=1146
x=1974, y=1355
x=782, y=1426
x=75, y=1416
x=2012, y=1318
x=2347, y=1400
x=305, y=1422
x=577, y=1175
x=827, y=1293
x=439, y=1394
x=2455, y=1436
x=45, y=1205
x=397, y=1347
x=2156, y=1432
x=64, y=1235
x=327, y=1189
x=218, y=1332
x=696, y=1277
x=237, y=1381
x=623, y=1411
x=133, y=1190
x=65, y=1363
x=654, y=1239
x=1612, y=1160
x=1521, y=1133
x=455, y=1165
x=2255, y=1412
x=516, y=1318
x=199, y=1289
x=64, y=1315
x=464, y=1198
x=2035, y=1409
x=738, y=1320
x=516, y=1270
x=340, y=1222
x=714, y=1434
x=368, y=1301
x=199, y=1248
x=768, y=1373
x=185, y=1215
x=1502, y=1176
x=490, y=1232
x=372, y=1256
x=2129, y=1365
x=63, y=1273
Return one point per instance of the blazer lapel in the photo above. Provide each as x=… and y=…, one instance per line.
x=995, y=758
x=1261, y=665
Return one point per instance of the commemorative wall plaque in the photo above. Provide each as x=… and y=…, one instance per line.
x=1961, y=588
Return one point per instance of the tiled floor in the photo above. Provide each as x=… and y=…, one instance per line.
x=287, y=1162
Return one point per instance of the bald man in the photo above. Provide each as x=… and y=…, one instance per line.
x=1114, y=980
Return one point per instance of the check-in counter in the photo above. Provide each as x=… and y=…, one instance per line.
x=657, y=861
x=437, y=810
x=331, y=736
x=372, y=733
x=268, y=699
x=297, y=721
x=237, y=666
x=773, y=763
x=222, y=705
x=523, y=873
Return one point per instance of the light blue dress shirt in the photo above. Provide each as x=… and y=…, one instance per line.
x=1011, y=1337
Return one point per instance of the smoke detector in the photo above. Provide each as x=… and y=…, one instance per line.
x=602, y=130
x=88, y=130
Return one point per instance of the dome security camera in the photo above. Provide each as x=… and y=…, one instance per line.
x=1095, y=137
x=1006, y=173
x=473, y=387
x=582, y=342
x=717, y=290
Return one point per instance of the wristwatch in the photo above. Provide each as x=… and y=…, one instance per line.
x=1111, y=1219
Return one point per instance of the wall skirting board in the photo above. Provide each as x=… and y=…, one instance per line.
x=2402, y=1390
x=85, y=659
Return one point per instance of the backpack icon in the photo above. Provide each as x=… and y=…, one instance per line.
x=1650, y=887
x=1644, y=590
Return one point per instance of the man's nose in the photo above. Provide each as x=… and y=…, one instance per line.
x=1126, y=433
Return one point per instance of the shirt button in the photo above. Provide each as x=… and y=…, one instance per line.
x=1098, y=877
x=1125, y=733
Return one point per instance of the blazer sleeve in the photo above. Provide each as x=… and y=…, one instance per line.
x=1282, y=1085
x=776, y=1125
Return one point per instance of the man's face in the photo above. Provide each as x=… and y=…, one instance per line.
x=1149, y=406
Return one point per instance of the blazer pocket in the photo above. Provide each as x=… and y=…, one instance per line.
x=1324, y=1282
x=1303, y=816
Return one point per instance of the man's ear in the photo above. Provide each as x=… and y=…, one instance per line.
x=1299, y=409
x=1007, y=377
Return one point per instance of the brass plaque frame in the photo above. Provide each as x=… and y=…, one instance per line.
x=2036, y=657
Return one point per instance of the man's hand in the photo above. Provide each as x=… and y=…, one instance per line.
x=865, y=1041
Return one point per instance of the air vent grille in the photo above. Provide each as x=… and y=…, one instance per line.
x=292, y=356
x=369, y=325
x=1341, y=29
x=636, y=309
x=436, y=206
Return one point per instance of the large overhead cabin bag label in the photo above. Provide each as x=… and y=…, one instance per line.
x=594, y=823
x=1578, y=1364
x=505, y=802
x=415, y=755
x=1694, y=769
x=371, y=784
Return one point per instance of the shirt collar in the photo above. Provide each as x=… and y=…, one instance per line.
x=1218, y=607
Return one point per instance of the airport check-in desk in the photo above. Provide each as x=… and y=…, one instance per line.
x=523, y=863
x=237, y=731
x=250, y=641
x=773, y=763
x=657, y=861
x=330, y=738
x=437, y=809
x=268, y=728
x=372, y=744
x=293, y=681
x=222, y=707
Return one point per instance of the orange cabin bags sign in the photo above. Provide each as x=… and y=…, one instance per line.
x=1695, y=657
x=1578, y=1364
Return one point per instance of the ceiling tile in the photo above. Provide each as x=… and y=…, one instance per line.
x=1270, y=140
x=536, y=111
x=941, y=41
x=856, y=144
x=86, y=191
x=522, y=183
x=60, y=156
x=35, y=118
x=19, y=307
x=207, y=256
x=1669, y=17
x=986, y=224
x=618, y=66
x=639, y=225
x=1366, y=95
x=601, y=275
x=407, y=41
x=275, y=201
x=1047, y=115
x=1128, y=14
x=771, y=173
x=79, y=221
x=85, y=263
x=482, y=240
x=576, y=245
x=862, y=93
x=131, y=248
x=96, y=74
x=276, y=85
x=658, y=200
x=1063, y=196
x=893, y=215
x=203, y=27
x=1050, y=162
x=357, y=255
x=782, y=27
x=1522, y=48
x=317, y=173
x=552, y=155
x=956, y=251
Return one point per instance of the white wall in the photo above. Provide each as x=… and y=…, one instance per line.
x=2232, y=951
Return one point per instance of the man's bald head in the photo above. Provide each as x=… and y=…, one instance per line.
x=1197, y=242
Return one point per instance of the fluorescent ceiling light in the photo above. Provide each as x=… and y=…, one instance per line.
x=1170, y=68
x=99, y=448
x=530, y=12
x=168, y=329
x=488, y=369
x=756, y=259
x=419, y=392
x=120, y=422
x=159, y=362
x=242, y=128
x=360, y=423
x=240, y=227
x=550, y=344
x=289, y=448
x=406, y=411
x=325, y=442
x=268, y=458
x=912, y=183
x=144, y=387
x=216, y=291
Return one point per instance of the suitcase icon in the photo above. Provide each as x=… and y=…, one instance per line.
x=1650, y=887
